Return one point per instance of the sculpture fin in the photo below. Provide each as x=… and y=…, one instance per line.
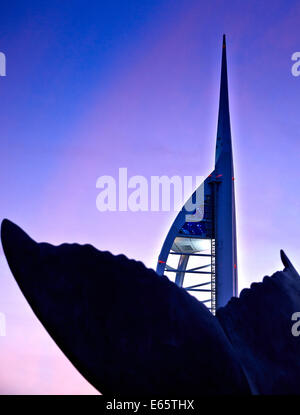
x=126, y=329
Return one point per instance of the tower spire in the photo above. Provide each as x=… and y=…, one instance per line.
x=215, y=233
x=225, y=222
x=223, y=131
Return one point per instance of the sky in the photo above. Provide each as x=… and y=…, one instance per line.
x=95, y=86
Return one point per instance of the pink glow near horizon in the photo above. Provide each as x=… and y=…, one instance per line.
x=153, y=109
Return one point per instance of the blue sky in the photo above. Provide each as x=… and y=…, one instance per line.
x=95, y=86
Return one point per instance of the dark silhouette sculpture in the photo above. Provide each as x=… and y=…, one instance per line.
x=258, y=325
x=130, y=331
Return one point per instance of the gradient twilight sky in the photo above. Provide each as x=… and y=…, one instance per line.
x=92, y=86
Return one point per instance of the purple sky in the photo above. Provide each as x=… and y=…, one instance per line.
x=95, y=86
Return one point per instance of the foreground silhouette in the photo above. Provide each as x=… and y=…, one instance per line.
x=131, y=332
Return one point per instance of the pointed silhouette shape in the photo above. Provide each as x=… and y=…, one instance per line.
x=212, y=234
x=126, y=329
x=258, y=325
x=130, y=331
